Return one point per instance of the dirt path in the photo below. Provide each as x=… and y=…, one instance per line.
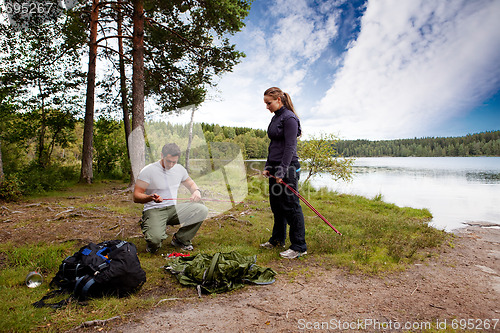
x=461, y=287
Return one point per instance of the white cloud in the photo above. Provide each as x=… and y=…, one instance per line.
x=280, y=48
x=415, y=64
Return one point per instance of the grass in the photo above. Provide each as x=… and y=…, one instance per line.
x=77, y=189
x=378, y=238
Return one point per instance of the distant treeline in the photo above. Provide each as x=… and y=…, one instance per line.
x=253, y=142
x=480, y=144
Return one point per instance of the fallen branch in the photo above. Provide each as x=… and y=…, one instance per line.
x=437, y=307
x=78, y=215
x=78, y=240
x=264, y=310
x=96, y=322
x=229, y=217
x=311, y=311
x=65, y=211
x=172, y=299
x=128, y=189
x=70, y=216
x=295, y=292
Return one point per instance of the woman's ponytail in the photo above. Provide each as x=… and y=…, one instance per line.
x=287, y=102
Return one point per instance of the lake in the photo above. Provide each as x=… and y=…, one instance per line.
x=456, y=190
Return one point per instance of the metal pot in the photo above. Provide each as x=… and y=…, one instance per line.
x=34, y=279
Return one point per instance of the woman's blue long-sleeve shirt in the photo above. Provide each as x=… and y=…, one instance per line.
x=283, y=132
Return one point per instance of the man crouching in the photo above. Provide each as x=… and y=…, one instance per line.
x=156, y=187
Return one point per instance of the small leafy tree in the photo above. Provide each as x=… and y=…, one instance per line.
x=319, y=154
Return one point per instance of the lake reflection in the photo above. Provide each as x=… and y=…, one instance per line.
x=456, y=190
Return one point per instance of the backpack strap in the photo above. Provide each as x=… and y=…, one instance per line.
x=82, y=286
x=41, y=303
x=99, y=253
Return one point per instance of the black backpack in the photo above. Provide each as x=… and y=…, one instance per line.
x=110, y=268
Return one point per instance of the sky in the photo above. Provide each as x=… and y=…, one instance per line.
x=376, y=69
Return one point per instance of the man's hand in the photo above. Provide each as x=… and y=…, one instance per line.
x=156, y=198
x=193, y=188
x=140, y=195
x=195, y=196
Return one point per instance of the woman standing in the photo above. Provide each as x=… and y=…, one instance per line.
x=282, y=166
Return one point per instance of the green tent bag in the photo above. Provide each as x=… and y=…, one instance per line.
x=220, y=272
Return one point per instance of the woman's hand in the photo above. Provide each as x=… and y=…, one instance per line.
x=267, y=174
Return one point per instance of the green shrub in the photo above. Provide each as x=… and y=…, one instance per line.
x=10, y=188
x=36, y=180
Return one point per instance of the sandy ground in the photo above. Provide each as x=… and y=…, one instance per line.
x=460, y=288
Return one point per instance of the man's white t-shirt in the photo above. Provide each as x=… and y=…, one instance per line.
x=163, y=182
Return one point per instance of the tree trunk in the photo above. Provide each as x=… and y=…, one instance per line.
x=136, y=140
x=123, y=86
x=86, y=175
x=41, y=136
x=190, y=140
x=1, y=163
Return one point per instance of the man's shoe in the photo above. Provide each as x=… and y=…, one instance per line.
x=270, y=246
x=291, y=254
x=181, y=246
x=152, y=249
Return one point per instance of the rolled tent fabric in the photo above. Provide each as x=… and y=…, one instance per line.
x=220, y=272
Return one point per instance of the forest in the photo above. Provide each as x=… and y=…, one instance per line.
x=478, y=144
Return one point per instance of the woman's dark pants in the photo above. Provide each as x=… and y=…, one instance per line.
x=286, y=208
